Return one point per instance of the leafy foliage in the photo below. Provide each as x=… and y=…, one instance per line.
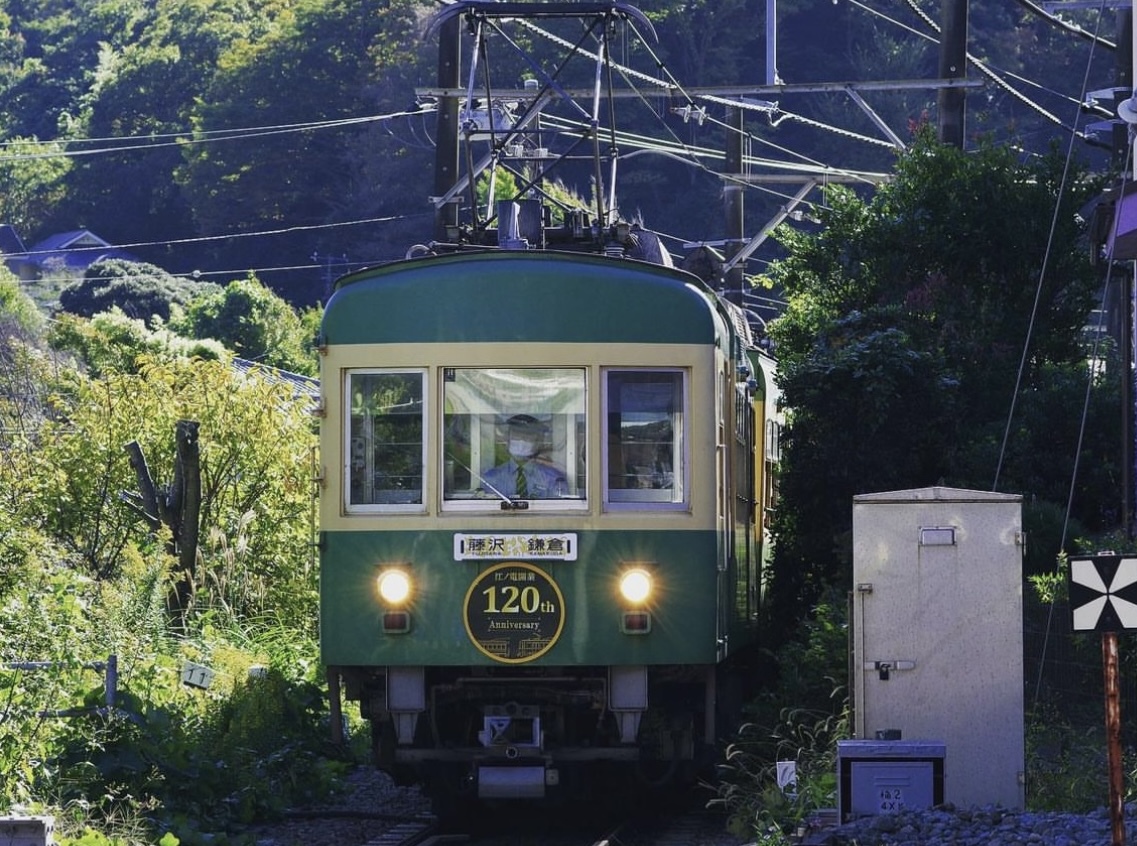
x=171, y=91
x=19, y=316
x=81, y=580
x=901, y=347
x=32, y=183
x=809, y=669
x=141, y=291
x=81, y=468
x=254, y=322
x=326, y=55
x=111, y=342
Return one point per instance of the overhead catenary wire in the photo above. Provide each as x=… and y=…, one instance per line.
x=694, y=154
x=670, y=85
x=911, y=30
x=678, y=148
x=993, y=76
x=1093, y=37
x=285, y=230
x=1039, y=285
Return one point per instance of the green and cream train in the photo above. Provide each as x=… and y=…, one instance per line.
x=544, y=478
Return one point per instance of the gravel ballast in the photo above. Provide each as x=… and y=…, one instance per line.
x=988, y=826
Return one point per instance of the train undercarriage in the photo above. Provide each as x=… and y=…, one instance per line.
x=547, y=734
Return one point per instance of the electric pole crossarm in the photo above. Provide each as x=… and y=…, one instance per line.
x=758, y=239
x=876, y=119
x=666, y=89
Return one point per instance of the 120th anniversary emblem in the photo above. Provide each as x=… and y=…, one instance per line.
x=514, y=612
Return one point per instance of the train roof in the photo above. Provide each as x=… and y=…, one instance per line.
x=465, y=296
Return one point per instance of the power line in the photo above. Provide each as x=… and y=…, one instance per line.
x=180, y=139
x=206, y=238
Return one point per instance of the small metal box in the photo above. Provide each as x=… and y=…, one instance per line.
x=27, y=831
x=886, y=776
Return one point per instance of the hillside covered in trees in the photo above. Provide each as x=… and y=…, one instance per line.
x=286, y=138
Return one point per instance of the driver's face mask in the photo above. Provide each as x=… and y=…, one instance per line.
x=522, y=447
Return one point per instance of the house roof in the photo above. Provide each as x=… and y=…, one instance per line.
x=10, y=243
x=75, y=250
x=302, y=386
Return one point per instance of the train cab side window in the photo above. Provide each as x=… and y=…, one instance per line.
x=644, y=438
x=513, y=437
x=386, y=455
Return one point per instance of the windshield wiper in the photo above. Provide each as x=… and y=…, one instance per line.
x=507, y=504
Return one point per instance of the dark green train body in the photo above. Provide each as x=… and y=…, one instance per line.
x=544, y=477
x=592, y=614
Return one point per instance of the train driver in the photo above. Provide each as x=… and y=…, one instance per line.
x=524, y=475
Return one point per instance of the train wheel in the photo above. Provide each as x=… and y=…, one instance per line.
x=452, y=794
x=382, y=743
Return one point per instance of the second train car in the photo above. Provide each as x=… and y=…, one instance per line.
x=544, y=478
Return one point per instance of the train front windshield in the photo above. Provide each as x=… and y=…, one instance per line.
x=513, y=433
x=516, y=434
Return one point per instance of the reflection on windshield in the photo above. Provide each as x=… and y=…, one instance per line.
x=645, y=432
x=514, y=434
x=386, y=428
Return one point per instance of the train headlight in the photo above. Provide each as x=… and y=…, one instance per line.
x=635, y=586
x=394, y=586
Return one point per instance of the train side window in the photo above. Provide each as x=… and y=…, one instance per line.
x=386, y=452
x=513, y=435
x=644, y=438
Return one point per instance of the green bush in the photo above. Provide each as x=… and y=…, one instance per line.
x=749, y=790
x=811, y=667
x=188, y=760
x=167, y=758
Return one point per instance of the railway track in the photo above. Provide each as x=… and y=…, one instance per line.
x=649, y=827
x=372, y=811
x=661, y=829
x=414, y=833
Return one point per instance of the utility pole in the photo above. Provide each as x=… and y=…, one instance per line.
x=953, y=65
x=446, y=158
x=1123, y=293
x=735, y=278
x=330, y=263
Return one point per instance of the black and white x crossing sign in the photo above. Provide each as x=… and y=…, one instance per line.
x=1103, y=593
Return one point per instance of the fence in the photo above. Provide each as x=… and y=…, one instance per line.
x=108, y=668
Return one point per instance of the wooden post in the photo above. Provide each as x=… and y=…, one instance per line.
x=953, y=65
x=178, y=506
x=1113, y=737
x=446, y=141
x=733, y=190
x=335, y=706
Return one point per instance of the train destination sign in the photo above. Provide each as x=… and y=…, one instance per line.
x=514, y=612
x=1103, y=593
x=483, y=547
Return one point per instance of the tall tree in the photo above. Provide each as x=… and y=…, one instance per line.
x=142, y=291
x=899, y=352
x=31, y=183
x=306, y=84
x=143, y=91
